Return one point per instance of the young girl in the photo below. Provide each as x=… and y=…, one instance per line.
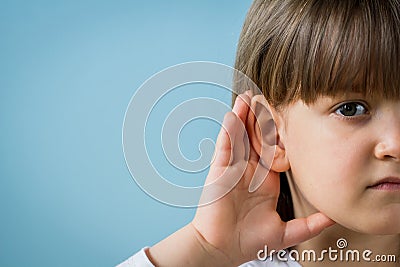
x=329, y=76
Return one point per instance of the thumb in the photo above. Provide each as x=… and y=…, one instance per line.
x=302, y=229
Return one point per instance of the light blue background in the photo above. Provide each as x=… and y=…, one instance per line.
x=67, y=72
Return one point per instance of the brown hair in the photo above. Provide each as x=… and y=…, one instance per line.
x=302, y=49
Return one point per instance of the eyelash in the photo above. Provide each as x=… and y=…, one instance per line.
x=355, y=116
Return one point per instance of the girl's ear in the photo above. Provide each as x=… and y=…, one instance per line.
x=265, y=126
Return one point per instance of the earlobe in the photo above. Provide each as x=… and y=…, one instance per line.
x=280, y=162
x=264, y=127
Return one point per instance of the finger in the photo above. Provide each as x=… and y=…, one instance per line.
x=259, y=170
x=269, y=187
x=241, y=142
x=223, y=148
x=222, y=178
x=300, y=230
x=241, y=106
x=253, y=156
x=260, y=175
x=263, y=169
x=249, y=93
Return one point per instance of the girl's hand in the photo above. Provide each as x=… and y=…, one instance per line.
x=234, y=224
x=241, y=223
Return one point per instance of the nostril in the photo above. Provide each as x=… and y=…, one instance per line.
x=389, y=157
x=386, y=151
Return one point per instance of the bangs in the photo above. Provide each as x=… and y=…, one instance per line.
x=354, y=47
x=331, y=48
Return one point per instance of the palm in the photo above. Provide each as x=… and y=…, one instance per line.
x=242, y=222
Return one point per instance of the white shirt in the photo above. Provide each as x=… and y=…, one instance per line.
x=140, y=260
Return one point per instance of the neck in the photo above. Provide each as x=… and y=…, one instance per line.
x=357, y=243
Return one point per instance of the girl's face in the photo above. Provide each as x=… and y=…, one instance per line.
x=344, y=154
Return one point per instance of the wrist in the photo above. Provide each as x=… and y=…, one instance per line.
x=212, y=255
x=186, y=247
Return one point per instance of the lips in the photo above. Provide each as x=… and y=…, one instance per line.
x=389, y=183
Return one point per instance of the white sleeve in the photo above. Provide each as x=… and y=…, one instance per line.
x=140, y=259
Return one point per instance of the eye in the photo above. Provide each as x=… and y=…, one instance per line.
x=351, y=109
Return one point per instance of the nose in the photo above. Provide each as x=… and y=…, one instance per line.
x=388, y=147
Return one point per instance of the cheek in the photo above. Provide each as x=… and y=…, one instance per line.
x=327, y=164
